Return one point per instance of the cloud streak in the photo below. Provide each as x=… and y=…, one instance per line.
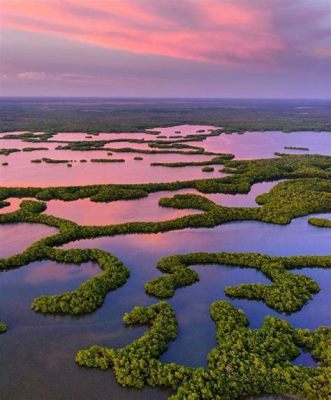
x=208, y=31
x=166, y=47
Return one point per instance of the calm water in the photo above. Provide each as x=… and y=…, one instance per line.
x=15, y=238
x=63, y=336
x=263, y=144
x=87, y=212
x=37, y=353
x=21, y=172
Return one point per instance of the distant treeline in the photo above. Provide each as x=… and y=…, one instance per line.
x=131, y=115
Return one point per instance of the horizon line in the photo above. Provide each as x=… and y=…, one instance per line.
x=164, y=97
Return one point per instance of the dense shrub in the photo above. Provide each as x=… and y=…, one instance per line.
x=243, y=174
x=296, y=148
x=219, y=160
x=6, y=152
x=207, y=169
x=29, y=149
x=4, y=204
x=107, y=160
x=90, y=295
x=244, y=362
x=320, y=222
x=287, y=293
x=3, y=327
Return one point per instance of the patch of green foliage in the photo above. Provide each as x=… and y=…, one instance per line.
x=3, y=327
x=92, y=116
x=320, y=222
x=287, y=200
x=4, y=204
x=6, y=152
x=288, y=292
x=219, y=160
x=29, y=149
x=107, y=160
x=91, y=294
x=49, y=161
x=207, y=169
x=244, y=362
x=171, y=150
x=296, y=148
x=242, y=175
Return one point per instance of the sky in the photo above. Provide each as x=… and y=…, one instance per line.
x=166, y=48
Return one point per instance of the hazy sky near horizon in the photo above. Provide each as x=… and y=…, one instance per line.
x=188, y=48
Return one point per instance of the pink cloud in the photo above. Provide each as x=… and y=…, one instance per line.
x=208, y=30
x=40, y=76
x=31, y=75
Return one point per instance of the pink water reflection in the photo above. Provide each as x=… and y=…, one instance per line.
x=21, y=172
x=252, y=145
x=185, y=129
x=41, y=272
x=15, y=238
x=86, y=212
x=119, y=145
x=77, y=136
x=13, y=133
x=242, y=200
x=14, y=205
x=20, y=144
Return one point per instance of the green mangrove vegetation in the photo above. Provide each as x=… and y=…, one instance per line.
x=219, y=160
x=320, y=222
x=3, y=327
x=90, y=294
x=244, y=362
x=242, y=175
x=288, y=292
x=6, y=152
x=4, y=204
x=171, y=150
x=296, y=148
x=47, y=115
x=107, y=160
x=50, y=161
x=285, y=201
x=29, y=149
x=207, y=169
